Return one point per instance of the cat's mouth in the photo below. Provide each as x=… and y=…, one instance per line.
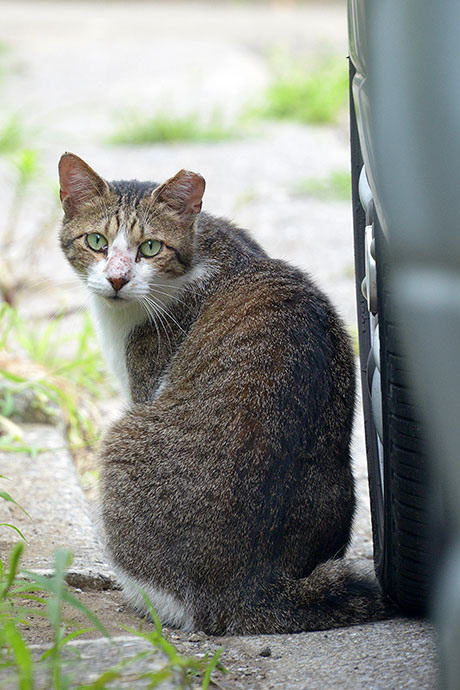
x=115, y=298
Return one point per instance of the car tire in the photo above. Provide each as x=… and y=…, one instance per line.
x=398, y=477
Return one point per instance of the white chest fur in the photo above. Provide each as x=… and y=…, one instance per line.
x=114, y=324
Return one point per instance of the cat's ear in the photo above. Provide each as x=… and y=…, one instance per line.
x=79, y=183
x=183, y=193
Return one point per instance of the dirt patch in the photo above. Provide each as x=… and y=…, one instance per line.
x=243, y=660
x=108, y=606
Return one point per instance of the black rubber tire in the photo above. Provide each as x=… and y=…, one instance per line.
x=400, y=508
x=406, y=562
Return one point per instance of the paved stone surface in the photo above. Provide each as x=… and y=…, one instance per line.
x=365, y=657
x=74, y=67
x=88, y=659
x=47, y=487
x=369, y=656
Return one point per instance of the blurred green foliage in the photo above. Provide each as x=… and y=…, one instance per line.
x=163, y=128
x=333, y=187
x=306, y=93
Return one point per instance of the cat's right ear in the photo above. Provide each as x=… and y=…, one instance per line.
x=79, y=183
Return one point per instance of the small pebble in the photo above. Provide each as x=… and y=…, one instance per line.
x=265, y=651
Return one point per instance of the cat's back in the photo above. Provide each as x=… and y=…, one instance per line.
x=261, y=349
x=265, y=361
x=268, y=320
x=253, y=293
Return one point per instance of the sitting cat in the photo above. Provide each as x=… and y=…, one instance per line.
x=227, y=491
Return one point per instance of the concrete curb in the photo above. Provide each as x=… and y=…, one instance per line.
x=47, y=487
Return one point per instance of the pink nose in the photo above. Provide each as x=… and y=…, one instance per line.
x=117, y=283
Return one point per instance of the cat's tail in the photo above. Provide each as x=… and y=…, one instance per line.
x=336, y=594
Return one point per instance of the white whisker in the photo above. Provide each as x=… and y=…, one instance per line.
x=161, y=318
x=167, y=313
x=152, y=321
x=181, y=288
x=161, y=292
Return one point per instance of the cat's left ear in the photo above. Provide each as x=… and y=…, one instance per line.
x=183, y=193
x=79, y=183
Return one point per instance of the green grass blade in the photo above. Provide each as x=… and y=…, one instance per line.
x=16, y=529
x=15, y=557
x=47, y=585
x=15, y=378
x=65, y=640
x=7, y=497
x=113, y=673
x=22, y=656
x=210, y=668
x=76, y=604
x=157, y=677
x=7, y=447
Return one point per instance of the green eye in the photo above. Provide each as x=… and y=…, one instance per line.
x=96, y=242
x=150, y=248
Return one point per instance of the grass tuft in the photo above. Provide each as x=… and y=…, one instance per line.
x=334, y=187
x=11, y=135
x=309, y=96
x=162, y=128
x=42, y=371
x=22, y=599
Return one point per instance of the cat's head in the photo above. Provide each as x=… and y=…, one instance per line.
x=124, y=237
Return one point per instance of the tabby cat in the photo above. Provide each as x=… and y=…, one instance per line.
x=227, y=491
